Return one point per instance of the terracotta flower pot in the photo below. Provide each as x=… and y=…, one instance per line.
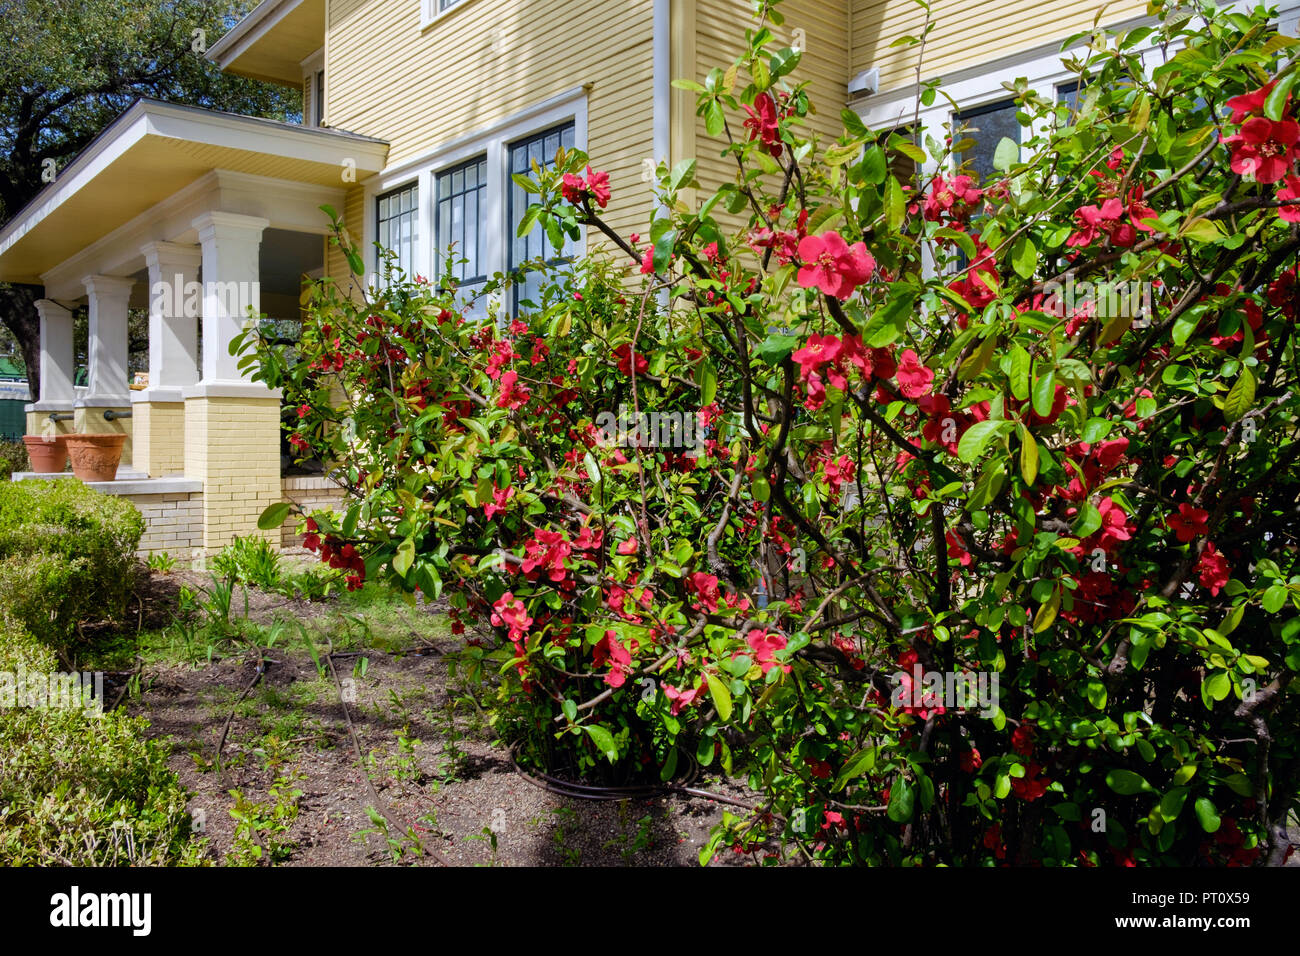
x=49, y=455
x=95, y=457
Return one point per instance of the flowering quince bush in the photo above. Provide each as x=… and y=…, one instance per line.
x=917, y=455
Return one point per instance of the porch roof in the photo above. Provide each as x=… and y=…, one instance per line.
x=149, y=153
x=272, y=41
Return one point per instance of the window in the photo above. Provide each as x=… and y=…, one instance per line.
x=398, y=223
x=540, y=148
x=431, y=10
x=459, y=222
x=988, y=125
x=1069, y=94
x=319, y=100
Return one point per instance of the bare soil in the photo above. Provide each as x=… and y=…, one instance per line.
x=436, y=769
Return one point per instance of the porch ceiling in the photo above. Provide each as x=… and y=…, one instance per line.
x=272, y=41
x=149, y=153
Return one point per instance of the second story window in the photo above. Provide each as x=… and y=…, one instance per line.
x=398, y=227
x=541, y=149
x=459, y=222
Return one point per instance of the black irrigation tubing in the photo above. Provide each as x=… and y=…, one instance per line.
x=583, y=791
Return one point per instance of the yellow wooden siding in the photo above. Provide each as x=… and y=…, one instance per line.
x=966, y=32
x=354, y=219
x=719, y=39
x=486, y=60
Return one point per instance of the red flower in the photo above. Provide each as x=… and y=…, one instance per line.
x=624, y=355
x=1248, y=103
x=511, y=396
x=1189, y=522
x=832, y=265
x=611, y=649
x=598, y=186
x=1030, y=787
x=951, y=197
x=914, y=379
x=1289, y=191
x=1264, y=149
x=1212, y=568
x=971, y=760
x=1022, y=740
x=706, y=586
x=764, y=647
x=683, y=698
x=761, y=123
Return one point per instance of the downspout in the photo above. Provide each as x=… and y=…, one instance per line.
x=662, y=80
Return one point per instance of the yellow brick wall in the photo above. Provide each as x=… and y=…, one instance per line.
x=38, y=423
x=158, y=437
x=232, y=445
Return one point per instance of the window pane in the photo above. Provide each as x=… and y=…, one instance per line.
x=460, y=197
x=542, y=148
x=987, y=125
x=398, y=227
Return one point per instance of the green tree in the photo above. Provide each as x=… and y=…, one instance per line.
x=69, y=67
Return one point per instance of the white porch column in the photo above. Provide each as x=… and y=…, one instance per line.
x=232, y=424
x=109, y=297
x=173, y=329
x=230, y=285
x=158, y=412
x=57, y=366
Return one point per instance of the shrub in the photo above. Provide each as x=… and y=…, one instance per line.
x=67, y=554
x=929, y=452
x=13, y=457
x=85, y=790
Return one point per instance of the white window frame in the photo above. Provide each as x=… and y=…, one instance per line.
x=431, y=11
x=492, y=141
x=313, y=70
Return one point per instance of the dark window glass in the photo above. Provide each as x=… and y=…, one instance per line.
x=458, y=221
x=398, y=221
x=540, y=149
x=987, y=125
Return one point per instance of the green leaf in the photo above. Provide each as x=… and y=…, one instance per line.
x=404, y=557
x=1274, y=598
x=975, y=438
x=708, y=380
x=274, y=516
x=856, y=766
x=1047, y=612
x=1006, y=154
x=603, y=740
x=902, y=799
x=1028, y=457
x=1217, y=686
x=1240, y=397
x=1207, y=813
x=1275, y=102
x=895, y=205
x=1127, y=783
x=1019, y=373
x=1024, y=257
x=525, y=183
x=1202, y=230
x=683, y=173
x=721, y=697
x=664, y=250
x=776, y=347
x=1045, y=394
x=873, y=166
x=1089, y=520
x=593, y=467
